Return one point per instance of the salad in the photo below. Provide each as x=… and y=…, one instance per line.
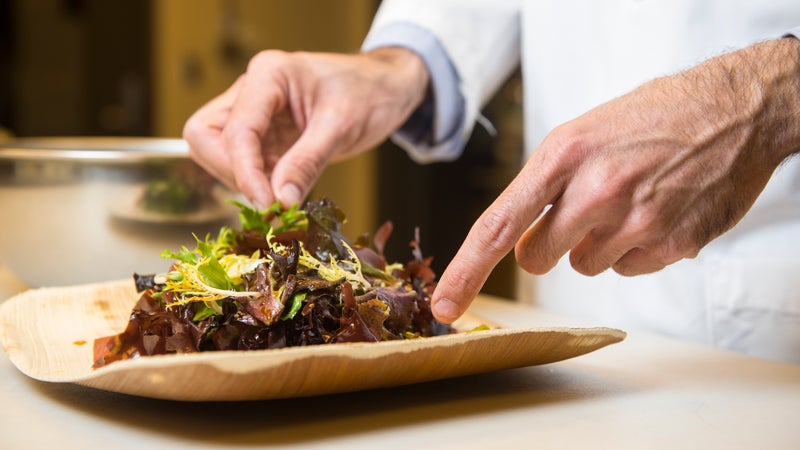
x=287, y=278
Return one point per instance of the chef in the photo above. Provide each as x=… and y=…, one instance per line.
x=659, y=191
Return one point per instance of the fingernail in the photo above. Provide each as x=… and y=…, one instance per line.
x=290, y=194
x=445, y=310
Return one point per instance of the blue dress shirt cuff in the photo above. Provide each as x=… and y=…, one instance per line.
x=434, y=130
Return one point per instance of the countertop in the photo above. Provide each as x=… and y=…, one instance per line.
x=648, y=392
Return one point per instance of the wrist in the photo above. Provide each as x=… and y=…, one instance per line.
x=407, y=67
x=774, y=93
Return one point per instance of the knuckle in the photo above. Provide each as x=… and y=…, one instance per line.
x=266, y=60
x=534, y=256
x=595, y=253
x=680, y=246
x=464, y=280
x=605, y=186
x=533, y=253
x=664, y=241
x=527, y=259
x=567, y=137
x=302, y=170
x=236, y=135
x=241, y=184
x=564, y=147
x=640, y=261
x=692, y=252
x=626, y=270
x=633, y=263
x=306, y=169
x=498, y=231
x=647, y=224
x=586, y=264
x=603, y=180
x=192, y=129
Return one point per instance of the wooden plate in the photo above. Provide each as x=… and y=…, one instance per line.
x=48, y=334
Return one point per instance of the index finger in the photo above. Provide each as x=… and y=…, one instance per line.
x=248, y=123
x=492, y=236
x=203, y=132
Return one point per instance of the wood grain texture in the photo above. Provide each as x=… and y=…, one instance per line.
x=48, y=334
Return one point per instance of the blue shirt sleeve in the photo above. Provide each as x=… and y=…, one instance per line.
x=433, y=132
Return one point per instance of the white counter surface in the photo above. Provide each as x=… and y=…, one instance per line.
x=647, y=392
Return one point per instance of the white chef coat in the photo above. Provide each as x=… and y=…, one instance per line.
x=743, y=291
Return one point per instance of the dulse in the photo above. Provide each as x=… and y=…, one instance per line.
x=287, y=278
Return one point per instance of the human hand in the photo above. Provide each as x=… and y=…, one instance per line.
x=644, y=180
x=271, y=134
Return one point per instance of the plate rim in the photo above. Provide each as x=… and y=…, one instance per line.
x=254, y=361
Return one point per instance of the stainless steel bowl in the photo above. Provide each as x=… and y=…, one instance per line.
x=86, y=209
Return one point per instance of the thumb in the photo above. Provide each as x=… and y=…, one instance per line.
x=301, y=166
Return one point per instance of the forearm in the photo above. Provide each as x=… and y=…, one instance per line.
x=746, y=101
x=757, y=90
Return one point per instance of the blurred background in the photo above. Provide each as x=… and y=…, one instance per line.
x=141, y=68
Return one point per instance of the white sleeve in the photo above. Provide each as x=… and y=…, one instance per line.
x=432, y=132
x=481, y=39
